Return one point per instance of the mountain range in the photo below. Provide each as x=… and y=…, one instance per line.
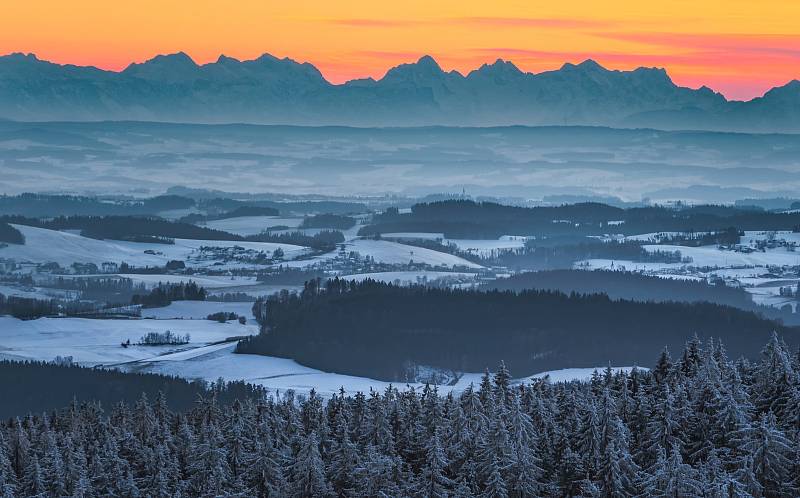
x=269, y=90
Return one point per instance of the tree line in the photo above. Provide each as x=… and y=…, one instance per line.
x=28, y=308
x=639, y=287
x=698, y=425
x=324, y=241
x=132, y=228
x=48, y=205
x=165, y=293
x=36, y=387
x=10, y=235
x=466, y=219
x=377, y=330
x=327, y=220
x=537, y=255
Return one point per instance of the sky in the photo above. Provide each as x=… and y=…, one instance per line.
x=740, y=48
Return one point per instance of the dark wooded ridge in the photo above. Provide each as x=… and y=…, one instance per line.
x=465, y=219
x=377, y=330
x=35, y=387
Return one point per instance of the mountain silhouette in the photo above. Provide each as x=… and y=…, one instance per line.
x=269, y=90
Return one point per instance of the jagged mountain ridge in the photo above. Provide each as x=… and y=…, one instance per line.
x=268, y=90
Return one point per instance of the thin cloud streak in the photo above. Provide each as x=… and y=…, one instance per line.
x=552, y=23
x=781, y=45
x=374, y=23
x=496, y=22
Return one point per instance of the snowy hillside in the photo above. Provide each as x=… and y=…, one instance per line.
x=43, y=246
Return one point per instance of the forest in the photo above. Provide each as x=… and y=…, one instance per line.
x=132, y=228
x=10, y=235
x=46, y=205
x=378, y=330
x=233, y=213
x=631, y=286
x=28, y=308
x=325, y=240
x=700, y=424
x=465, y=219
x=164, y=294
x=551, y=254
x=328, y=221
x=36, y=387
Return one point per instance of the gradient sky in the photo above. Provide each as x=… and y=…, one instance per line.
x=741, y=48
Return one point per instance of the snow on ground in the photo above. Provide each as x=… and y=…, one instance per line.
x=258, y=289
x=482, y=247
x=34, y=292
x=770, y=296
x=283, y=374
x=413, y=236
x=633, y=266
x=93, y=342
x=42, y=246
x=97, y=342
x=751, y=236
x=711, y=256
x=174, y=214
x=655, y=236
x=739, y=273
x=581, y=374
x=251, y=225
x=207, y=281
x=198, y=310
x=384, y=251
x=486, y=247
x=408, y=277
x=394, y=253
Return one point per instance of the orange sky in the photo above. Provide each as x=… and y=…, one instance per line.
x=740, y=48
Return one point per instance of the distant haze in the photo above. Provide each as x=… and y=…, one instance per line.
x=528, y=163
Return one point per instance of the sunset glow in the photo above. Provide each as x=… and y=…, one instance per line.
x=736, y=47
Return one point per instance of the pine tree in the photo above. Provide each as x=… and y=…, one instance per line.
x=209, y=463
x=33, y=483
x=772, y=455
x=618, y=474
x=502, y=381
x=663, y=367
x=8, y=479
x=495, y=484
x=377, y=475
x=433, y=482
x=343, y=457
x=671, y=477
x=308, y=474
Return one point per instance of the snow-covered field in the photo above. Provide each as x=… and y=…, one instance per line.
x=198, y=310
x=283, y=374
x=208, y=281
x=251, y=225
x=94, y=342
x=712, y=256
x=482, y=247
x=755, y=271
x=486, y=247
x=33, y=292
x=384, y=251
x=43, y=246
x=413, y=236
x=97, y=342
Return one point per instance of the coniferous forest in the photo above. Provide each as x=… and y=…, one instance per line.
x=696, y=425
x=379, y=330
